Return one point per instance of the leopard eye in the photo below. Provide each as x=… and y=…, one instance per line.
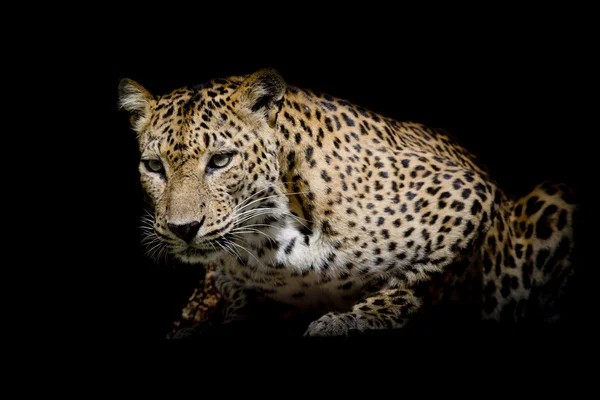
x=153, y=166
x=220, y=160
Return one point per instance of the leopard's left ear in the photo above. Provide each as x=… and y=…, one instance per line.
x=261, y=95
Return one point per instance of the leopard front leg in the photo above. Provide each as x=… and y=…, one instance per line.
x=236, y=302
x=385, y=309
x=236, y=298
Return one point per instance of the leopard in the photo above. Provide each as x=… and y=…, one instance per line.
x=355, y=221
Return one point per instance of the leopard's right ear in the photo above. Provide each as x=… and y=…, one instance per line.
x=136, y=100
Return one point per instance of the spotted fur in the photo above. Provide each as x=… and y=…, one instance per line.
x=331, y=208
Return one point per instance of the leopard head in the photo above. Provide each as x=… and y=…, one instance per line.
x=208, y=162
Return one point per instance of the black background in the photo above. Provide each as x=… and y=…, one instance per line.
x=514, y=91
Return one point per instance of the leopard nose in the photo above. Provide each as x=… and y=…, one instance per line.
x=185, y=231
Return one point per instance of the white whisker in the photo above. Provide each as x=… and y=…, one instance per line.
x=231, y=250
x=244, y=203
x=266, y=198
x=248, y=230
x=255, y=213
x=156, y=249
x=243, y=248
x=226, y=250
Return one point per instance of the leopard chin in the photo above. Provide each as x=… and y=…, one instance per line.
x=192, y=255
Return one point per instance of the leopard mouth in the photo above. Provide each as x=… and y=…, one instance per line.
x=206, y=250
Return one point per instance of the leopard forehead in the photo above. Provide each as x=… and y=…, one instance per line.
x=192, y=120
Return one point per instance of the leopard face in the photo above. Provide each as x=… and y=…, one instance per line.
x=207, y=163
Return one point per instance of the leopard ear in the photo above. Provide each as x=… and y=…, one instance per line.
x=261, y=95
x=136, y=100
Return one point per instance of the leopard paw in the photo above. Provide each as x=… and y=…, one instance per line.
x=331, y=324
